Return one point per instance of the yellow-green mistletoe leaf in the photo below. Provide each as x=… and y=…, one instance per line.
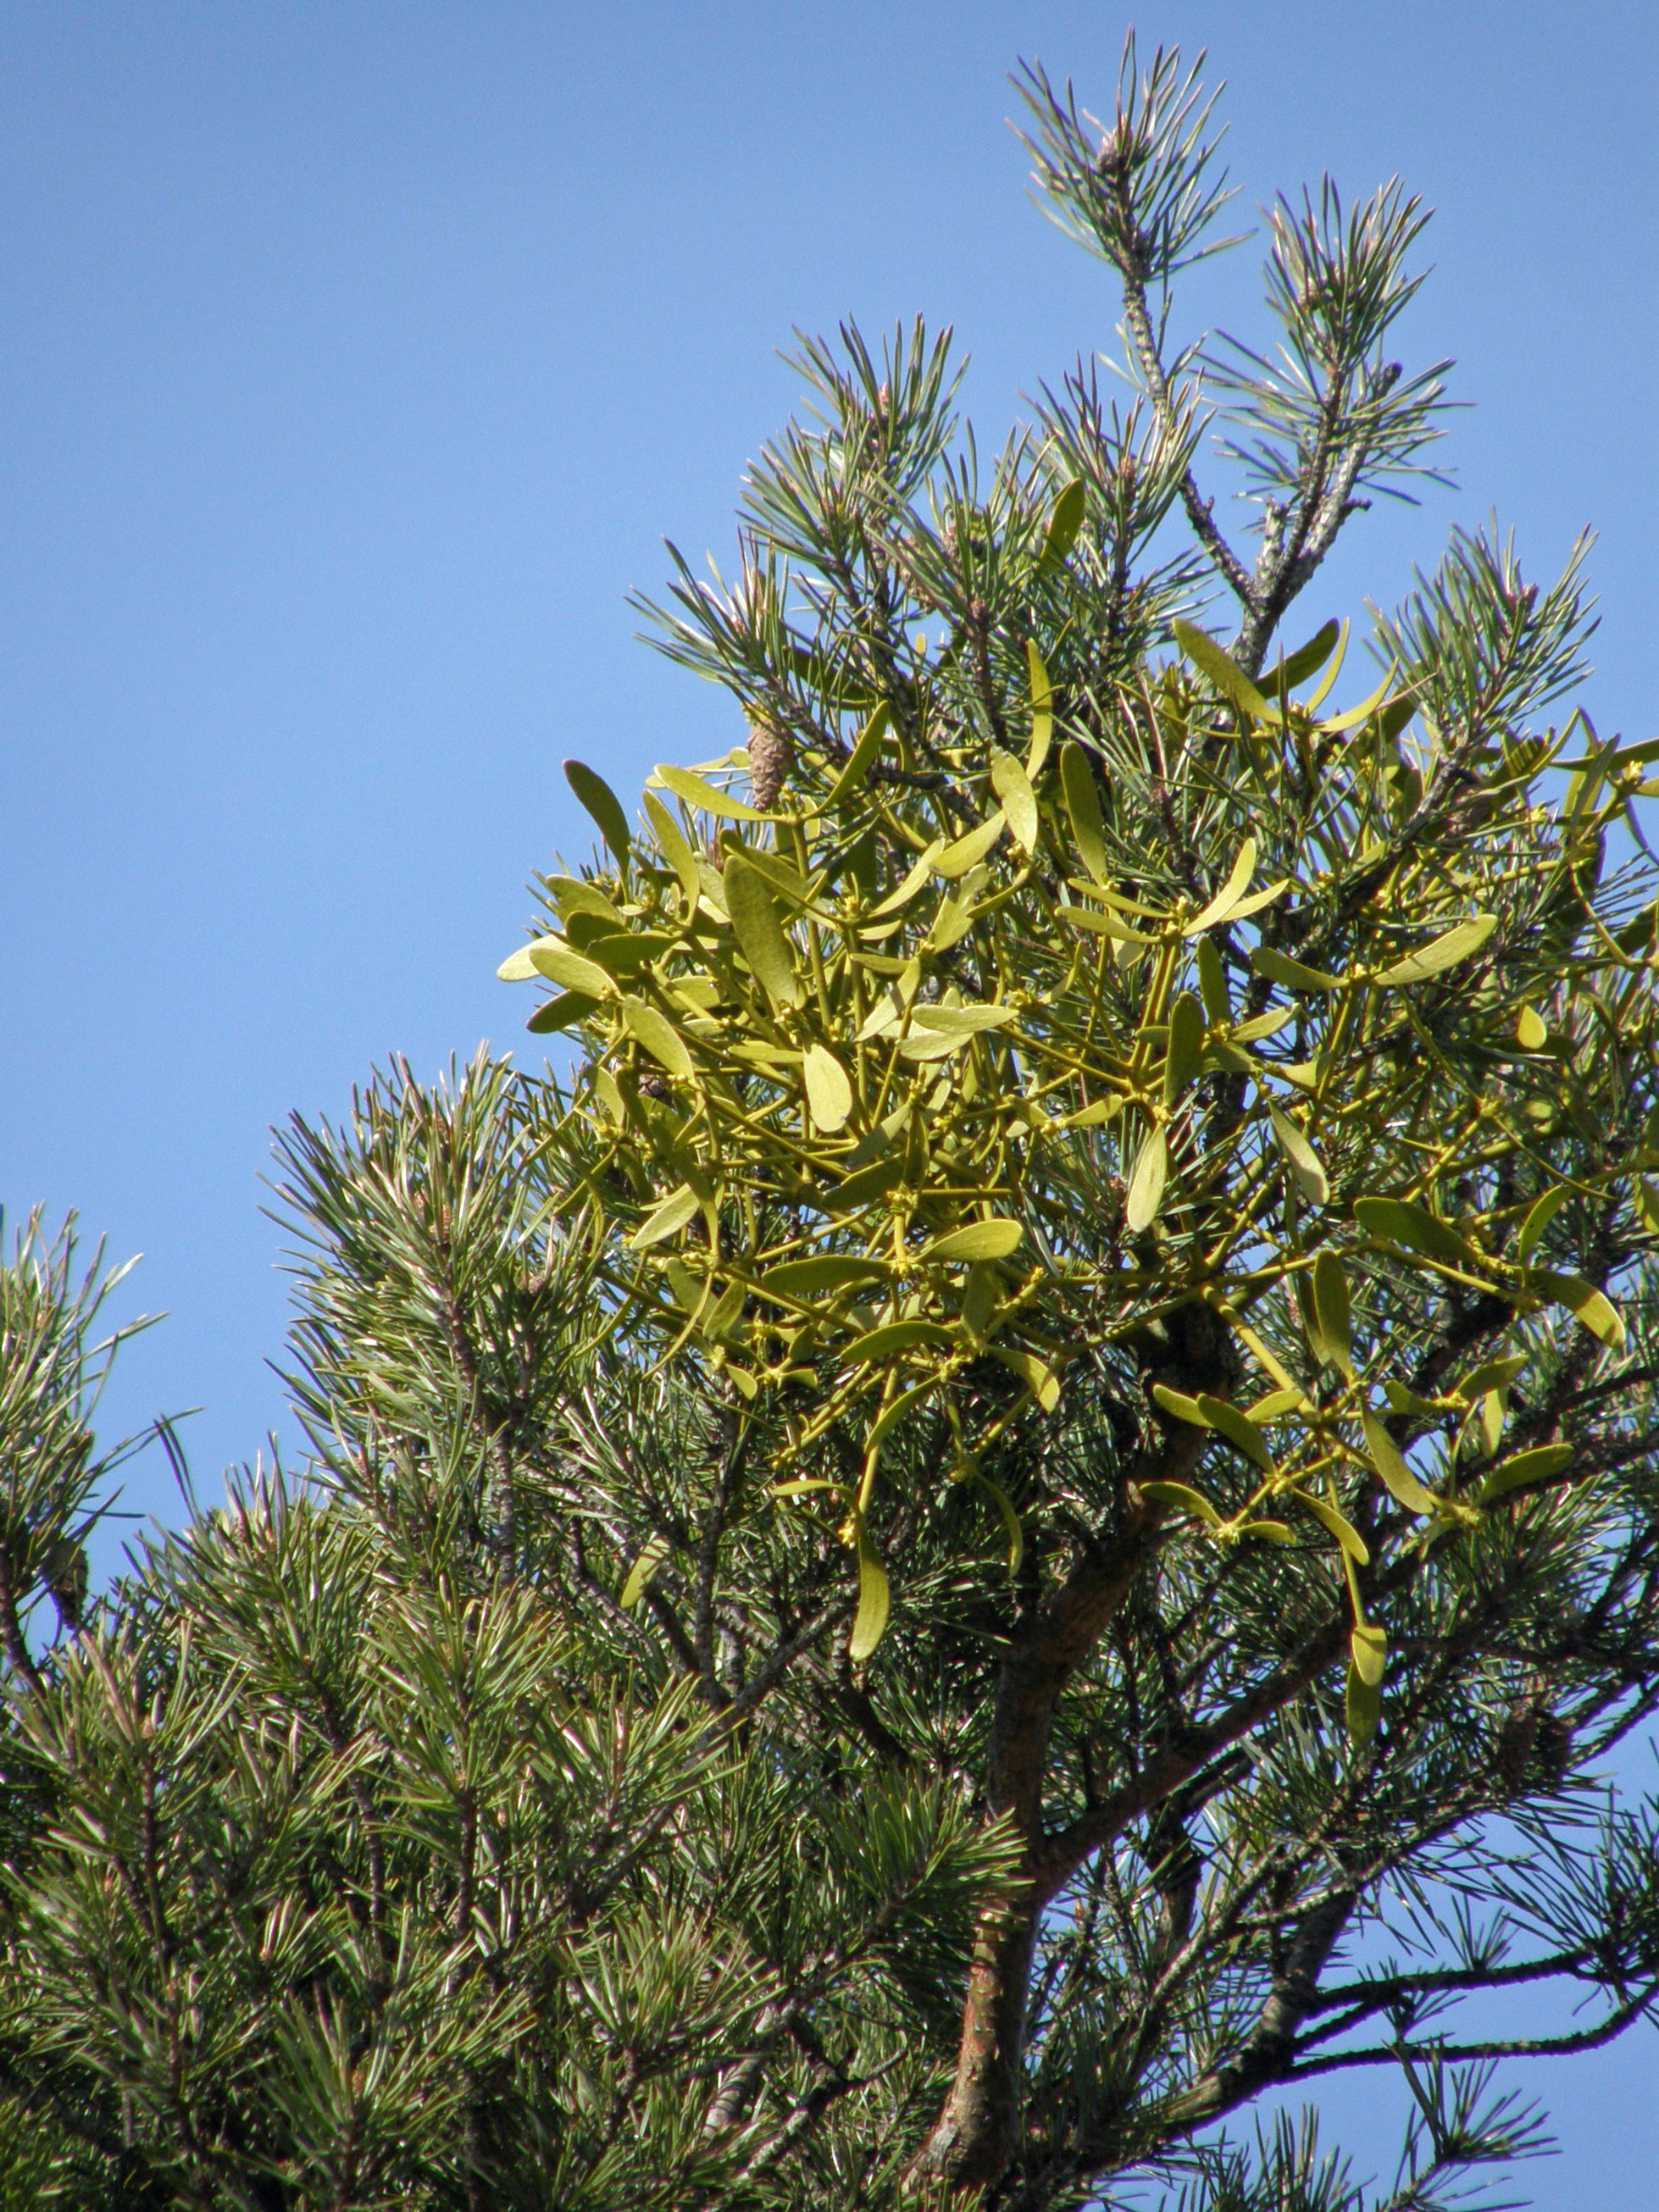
x=1222, y=671
x=1230, y=894
x=1304, y=1163
x=705, y=797
x=759, y=933
x=1539, y=1215
x=1386, y=1457
x=1398, y=1221
x=1368, y=1647
x=1542, y=1462
x=1362, y=1706
x=643, y=1571
x=964, y=853
x=667, y=1218
x=566, y=1012
x=1294, y=974
x=1336, y=1524
x=875, y=1601
x=518, y=967
x=894, y=1336
x=676, y=847
x=1035, y=1374
x=1145, y=1191
x=1013, y=788
x=822, y=1271
x=660, y=1038
x=1064, y=523
x=1182, y=1498
x=1238, y=1428
x=829, y=1093
x=552, y=958
x=1186, y=1043
x=1043, y=712
x=860, y=761
x=602, y=803
x=979, y=1240
x=1589, y=1306
x=1443, y=952
x=1077, y=782
x=1333, y=1313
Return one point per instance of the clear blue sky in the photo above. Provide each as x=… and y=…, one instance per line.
x=355, y=361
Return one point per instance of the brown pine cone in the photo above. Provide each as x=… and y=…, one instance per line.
x=771, y=755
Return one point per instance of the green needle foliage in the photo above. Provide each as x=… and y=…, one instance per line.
x=1029, y=1506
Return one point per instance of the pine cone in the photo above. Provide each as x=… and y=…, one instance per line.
x=771, y=755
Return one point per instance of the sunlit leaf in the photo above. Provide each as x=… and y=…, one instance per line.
x=1368, y=1647
x=643, y=1571
x=660, y=1038
x=566, y=1012
x=1043, y=715
x=1212, y=981
x=518, y=967
x=1186, y=1043
x=875, y=1601
x=1035, y=1374
x=1227, y=896
x=1333, y=1313
x=667, y=1218
x=1294, y=974
x=1592, y=1307
x=906, y=890
x=894, y=1336
x=1013, y=788
x=858, y=1190
x=755, y=923
x=707, y=797
x=960, y=1021
x=1064, y=523
x=1398, y=1221
x=1362, y=1707
x=1386, y=1457
x=1183, y=1407
x=1145, y=1191
x=1305, y=1163
x=1337, y=1524
x=1307, y=660
x=1182, y=1498
x=675, y=846
x=1222, y=671
x=1077, y=782
x=1539, y=1464
x=1442, y=952
x=823, y=1271
x=552, y=958
x=857, y=766
x=1239, y=1429
x=829, y=1093
x=964, y=853
x=1539, y=1215
x=979, y=1240
x=602, y=803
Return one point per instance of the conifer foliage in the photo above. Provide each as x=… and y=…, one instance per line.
x=1028, y=1505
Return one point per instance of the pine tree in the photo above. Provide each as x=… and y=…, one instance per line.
x=1028, y=1507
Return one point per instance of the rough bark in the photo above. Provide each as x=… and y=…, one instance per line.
x=976, y=2135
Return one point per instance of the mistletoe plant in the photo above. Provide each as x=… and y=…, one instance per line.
x=1056, y=998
